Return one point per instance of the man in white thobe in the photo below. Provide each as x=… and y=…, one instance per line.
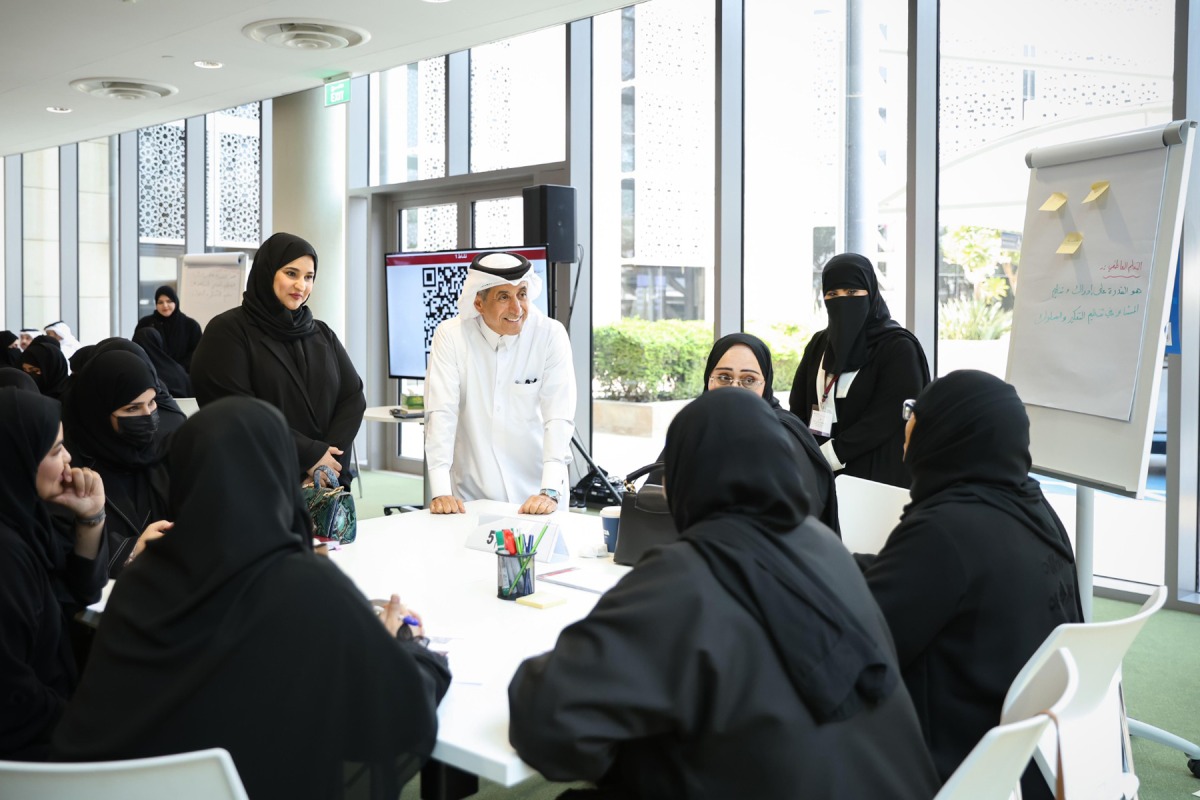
x=499, y=395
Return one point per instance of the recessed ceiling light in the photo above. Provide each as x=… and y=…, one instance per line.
x=437, y=1
x=202, y=64
x=58, y=109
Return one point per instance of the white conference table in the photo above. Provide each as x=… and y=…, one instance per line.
x=422, y=558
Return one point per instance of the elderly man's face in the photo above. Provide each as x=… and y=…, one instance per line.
x=506, y=308
x=26, y=339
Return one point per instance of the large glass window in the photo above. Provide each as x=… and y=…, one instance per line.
x=162, y=205
x=40, y=246
x=1013, y=77
x=519, y=101
x=408, y=123
x=499, y=222
x=96, y=197
x=831, y=179
x=233, y=177
x=653, y=173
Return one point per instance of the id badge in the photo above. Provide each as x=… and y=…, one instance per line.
x=821, y=423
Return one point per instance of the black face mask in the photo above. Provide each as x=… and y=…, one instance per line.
x=847, y=333
x=138, y=431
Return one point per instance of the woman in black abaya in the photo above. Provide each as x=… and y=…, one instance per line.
x=271, y=347
x=42, y=568
x=170, y=415
x=180, y=333
x=18, y=379
x=745, y=660
x=111, y=424
x=856, y=373
x=815, y=473
x=232, y=633
x=172, y=372
x=979, y=571
x=10, y=351
x=44, y=362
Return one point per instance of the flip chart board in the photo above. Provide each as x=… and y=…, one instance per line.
x=210, y=283
x=1098, y=259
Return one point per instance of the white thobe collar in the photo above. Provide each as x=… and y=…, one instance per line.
x=494, y=340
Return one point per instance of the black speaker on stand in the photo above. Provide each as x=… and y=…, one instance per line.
x=550, y=220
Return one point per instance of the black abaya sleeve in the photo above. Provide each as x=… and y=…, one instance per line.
x=351, y=403
x=919, y=581
x=900, y=376
x=631, y=669
x=29, y=707
x=221, y=363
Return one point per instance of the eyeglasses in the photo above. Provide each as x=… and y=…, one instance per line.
x=907, y=411
x=725, y=379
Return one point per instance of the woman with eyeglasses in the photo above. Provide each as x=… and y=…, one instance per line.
x=979, y=571
x=854, y=375
x=744, y=360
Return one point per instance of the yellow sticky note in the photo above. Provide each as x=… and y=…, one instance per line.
x=541, y=600
x=1054, y=202
x=1070, y=244
x=1098, y=188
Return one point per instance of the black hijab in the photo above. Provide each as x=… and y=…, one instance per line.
x=855, y=323
x=168, y=368
x=178, y=330
x=107, y=382
x=170, y=415
x=18, y=379
x=263, y=307
x=822, y=474
x=970, y=443
x=28, y=429
x=735, y=503
x=45, y=353
x=9, y=356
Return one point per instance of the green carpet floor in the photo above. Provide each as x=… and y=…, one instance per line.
x=1161, y=677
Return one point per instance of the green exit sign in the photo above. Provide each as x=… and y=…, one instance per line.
x=337, y=92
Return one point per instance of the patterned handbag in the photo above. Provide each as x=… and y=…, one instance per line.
x=331, y=508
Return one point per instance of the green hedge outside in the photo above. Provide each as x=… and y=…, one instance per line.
x=640, y=361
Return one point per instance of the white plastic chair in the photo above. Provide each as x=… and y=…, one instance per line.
x=1092, y=725
x=867, y=512
x=200, y=775
x=994, y=766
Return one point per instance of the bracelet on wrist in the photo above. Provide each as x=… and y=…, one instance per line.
x=95, y=519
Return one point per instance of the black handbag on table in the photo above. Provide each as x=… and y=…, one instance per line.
x=646, y=520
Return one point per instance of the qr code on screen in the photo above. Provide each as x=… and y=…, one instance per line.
x=440, y=288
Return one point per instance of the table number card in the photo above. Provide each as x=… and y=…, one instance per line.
x=552, y=548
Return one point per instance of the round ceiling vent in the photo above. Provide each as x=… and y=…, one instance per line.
x=123, y=88
x=306, y=34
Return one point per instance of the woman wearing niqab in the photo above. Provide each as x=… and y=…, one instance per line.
x=979, y=571
x=46, y=573
x=170, y=415
x=180, y=333
x=859, y=370
x=746, y=659
x=225, y=628
x=271, y=347
x=130, y=456
x=44, y=362
x=10, y=353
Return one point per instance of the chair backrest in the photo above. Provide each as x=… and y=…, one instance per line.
x=1091, y=724
x=994, y=766
x=867, y=512
x=201, y=775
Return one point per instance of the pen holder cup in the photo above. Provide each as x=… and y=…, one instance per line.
x=516, y=576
